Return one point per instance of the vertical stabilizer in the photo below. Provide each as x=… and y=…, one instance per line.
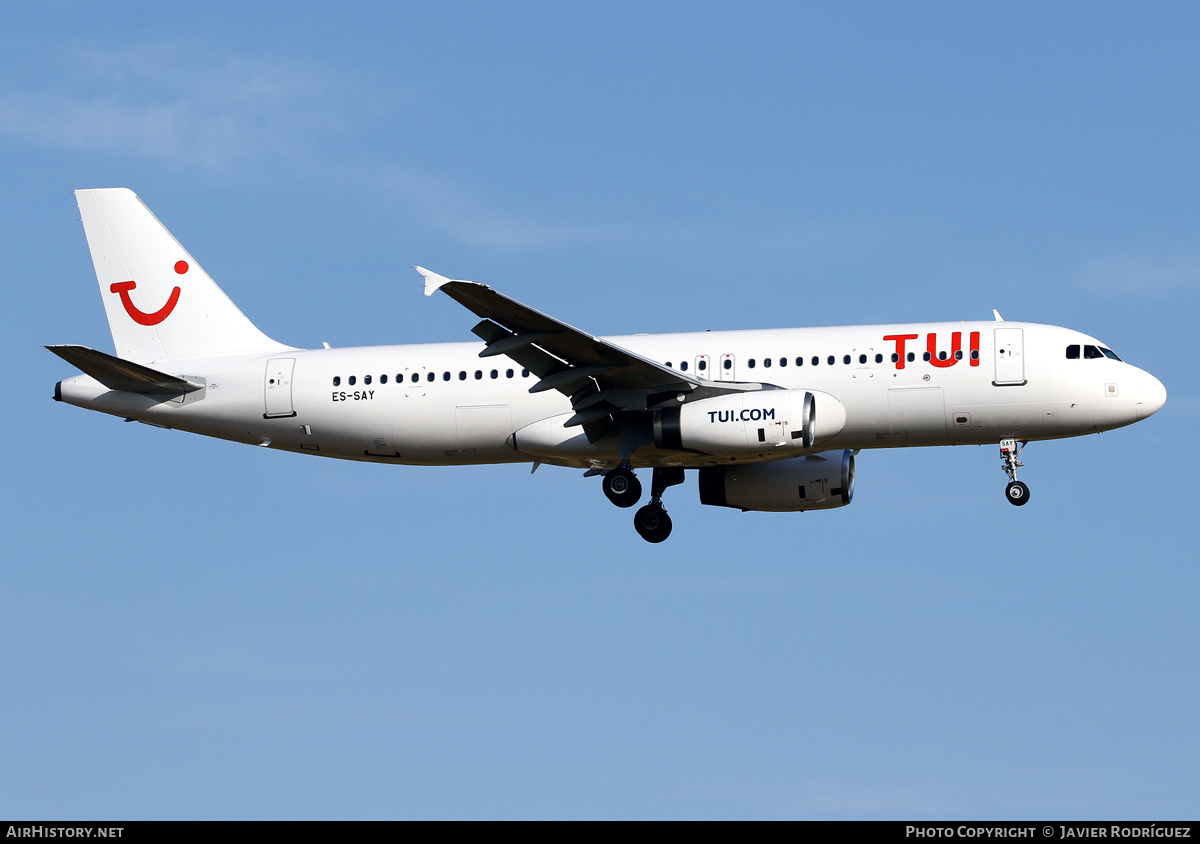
x=160, y=302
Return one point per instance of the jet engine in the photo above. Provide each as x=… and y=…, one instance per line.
x=760, y=422
x=813, y=482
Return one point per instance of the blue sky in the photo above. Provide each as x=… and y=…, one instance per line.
x=192, y=629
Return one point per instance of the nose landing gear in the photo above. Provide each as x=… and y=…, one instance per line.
x=652, y=522
x=1016, y=492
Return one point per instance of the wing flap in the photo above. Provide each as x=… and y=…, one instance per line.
x=513, y=342
x=569, y=376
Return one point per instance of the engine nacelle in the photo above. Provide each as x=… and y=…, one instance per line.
x=814, y=482
x=760, y=422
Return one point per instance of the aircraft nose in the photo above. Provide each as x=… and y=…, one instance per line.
x=1151, y=396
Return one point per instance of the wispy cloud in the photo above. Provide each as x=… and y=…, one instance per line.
x=1152, y=271
x=233, y=114
x=481, y=221
x=177, y=102
x=450, y=207
x=265, y=116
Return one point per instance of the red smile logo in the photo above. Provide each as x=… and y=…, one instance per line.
x=141, y=317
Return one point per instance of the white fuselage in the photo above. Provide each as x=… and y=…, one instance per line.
x=441, y=404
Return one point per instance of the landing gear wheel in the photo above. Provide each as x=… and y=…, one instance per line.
x=1017, y=493
x=622, y=487
x=652, y=523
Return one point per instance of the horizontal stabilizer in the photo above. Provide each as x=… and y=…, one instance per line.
x=123, y=375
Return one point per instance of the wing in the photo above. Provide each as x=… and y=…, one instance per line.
x=600, y=377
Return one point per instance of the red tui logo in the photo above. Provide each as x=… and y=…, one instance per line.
x=141, y=317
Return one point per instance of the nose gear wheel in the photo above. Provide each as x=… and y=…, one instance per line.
x=1017, y=492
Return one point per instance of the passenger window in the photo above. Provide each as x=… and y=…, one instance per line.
x=668, y=365
x=829, y=360
x=941, y=355
x=462, y=375
x=895, y=358
x=350, y=380
x=382, y=379
x=524, y=373
x=508, y=373
x=430, y=377
x=702, y=365
x=846, y=359
x=337, y=380
x=783, y=361
x=749, y=363
x=879, y=358
x=399, y=378
x=728, y=364
x=1073, y=351
x=495, y=374
x=767, y=363
x=958, y=355
x=975, y=354
x=799, y=361
x=816, y=360
x=862, y=358
x=445, y=376
x=415, y=377
x=478, y=374
x=366, y=379
x=911, y=357
x=683, y=366
x=1090, y=352
x=925, y=356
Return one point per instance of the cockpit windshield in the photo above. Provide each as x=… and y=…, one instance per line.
x=1090, y=352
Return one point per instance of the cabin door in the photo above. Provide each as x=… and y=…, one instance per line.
x=278, y=386
x=1010, y=357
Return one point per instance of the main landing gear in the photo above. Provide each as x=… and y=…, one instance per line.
x=652, y=522
x=623, y=489
x=1016, y=492
x=622, y=486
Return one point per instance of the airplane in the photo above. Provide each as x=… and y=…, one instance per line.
x=768, y=420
